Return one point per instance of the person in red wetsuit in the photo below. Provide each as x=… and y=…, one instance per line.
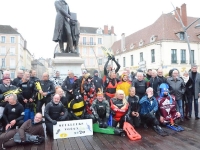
x=110, y=85
x=119, y=109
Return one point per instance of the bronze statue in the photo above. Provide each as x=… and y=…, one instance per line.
x=62, y=30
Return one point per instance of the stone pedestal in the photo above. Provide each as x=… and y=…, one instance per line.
x=64, y=62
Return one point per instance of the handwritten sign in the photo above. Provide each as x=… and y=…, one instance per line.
x=73, y=128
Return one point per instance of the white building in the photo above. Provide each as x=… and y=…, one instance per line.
x=161, y=44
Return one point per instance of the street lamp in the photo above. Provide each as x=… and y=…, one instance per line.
x=185, y=32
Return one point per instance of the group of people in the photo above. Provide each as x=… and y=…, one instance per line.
x=148, y=100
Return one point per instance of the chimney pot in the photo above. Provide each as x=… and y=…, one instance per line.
x=105, y=29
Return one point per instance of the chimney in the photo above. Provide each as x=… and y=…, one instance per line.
x=112, y=30
x=176, y=15
x=105, y=29
x=184, y=14
x=122, y=41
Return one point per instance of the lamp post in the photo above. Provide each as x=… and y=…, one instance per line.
x=185, y=32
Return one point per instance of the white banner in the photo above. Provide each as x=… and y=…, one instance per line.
x=73, y=128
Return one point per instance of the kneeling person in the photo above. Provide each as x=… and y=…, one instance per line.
x=13, y=113
x=101, y=110
x=54, y=111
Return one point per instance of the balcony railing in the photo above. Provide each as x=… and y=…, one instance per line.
x=87, y=43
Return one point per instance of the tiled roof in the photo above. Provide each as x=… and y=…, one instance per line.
x=164, y=28
x=6, y=29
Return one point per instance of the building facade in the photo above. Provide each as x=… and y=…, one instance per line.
x=160, y=45
x=14, y=54
x=90, y=43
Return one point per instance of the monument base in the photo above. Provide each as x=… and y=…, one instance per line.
x=65, y=62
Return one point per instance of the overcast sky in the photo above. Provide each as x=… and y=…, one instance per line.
x=35, y=19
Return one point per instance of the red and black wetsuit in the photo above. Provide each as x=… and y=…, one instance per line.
x=110, y=88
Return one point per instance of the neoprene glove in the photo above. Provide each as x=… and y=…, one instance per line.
x=61, y=118
x=54, y=122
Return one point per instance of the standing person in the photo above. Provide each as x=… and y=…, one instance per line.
x=16, y=81
x=129, y=74
x=155, y=82
x=13, y=113
x=81, y=82
x=6, y=74
x=160, y=76
x=148, y=76
x=98, y=82
x=124, y=84
x=54, y=111
x=195, y=91
x=48, y=89
x=31, y=127
x=110, y=85
x=62, y=30
x=61, y=93
x=177, y=88
x=70, y=85
x=57, y=80
x=140, y=85
x=187, y=97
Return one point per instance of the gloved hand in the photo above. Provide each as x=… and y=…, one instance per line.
x=54, y=122
x=109, y=57
x=62, y=118
x=113, y=58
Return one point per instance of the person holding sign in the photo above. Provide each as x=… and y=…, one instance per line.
x=54, y=111
x=101, y=110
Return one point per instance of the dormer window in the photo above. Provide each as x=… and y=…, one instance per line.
x=141, y=42
x=99, y=31
x=181, y=35
x=153, y=38
x=132, y=46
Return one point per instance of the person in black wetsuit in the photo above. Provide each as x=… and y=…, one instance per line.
x=54, y=111
x=134, y=107
x=17, y=80
x=13, y=113
x=140, y=85
x=48, y=89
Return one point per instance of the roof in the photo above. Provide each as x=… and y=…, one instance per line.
x=164, y=28
x=6, y=29
x=92, y=30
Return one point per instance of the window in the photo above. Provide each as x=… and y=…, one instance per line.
x=12, y=51
x=92, y=63
x=3, y=39
x=100, y=51
x=183, y=56
x=91, y=40
x=152, y=55
x=124, y=61
x=91, y=52
x=100, y=62
x=3, y=63
x=84, y=40
x=99, y=40
x=12, y=74
x=86, y=62
x=12, y=39
x=173, y=56
x=131, y=60
x=182, y=37
x=3, y=50
x=12, y=63
x=84, y=51
x=192, y=53
x=141, y=57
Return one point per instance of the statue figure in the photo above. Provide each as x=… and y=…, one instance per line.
x=62, y=30
x=75, y=32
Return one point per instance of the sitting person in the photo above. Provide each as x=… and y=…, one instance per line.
x=119, y=109
x=134, y=107
x=148, y=109
x=76, y=106
x=101, y=110
x=61, y=93
x=167, y=106
x=54, y=111
x=13, y=113
x=32, y=127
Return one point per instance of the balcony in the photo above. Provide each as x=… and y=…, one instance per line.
x=87, y=43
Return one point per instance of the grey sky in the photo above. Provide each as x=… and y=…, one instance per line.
x=35, y=19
